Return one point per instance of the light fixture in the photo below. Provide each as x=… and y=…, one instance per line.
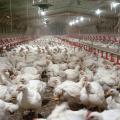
x=114, y=5
x=43, y=13
x=81, y=18
x=98, y=12
x=76, y=21
x=73, y=22
x=70, y=23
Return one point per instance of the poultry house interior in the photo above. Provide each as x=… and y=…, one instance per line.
x=59, y=59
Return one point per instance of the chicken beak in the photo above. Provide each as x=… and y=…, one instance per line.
x=23, y=82
x=13, y=98
x=56, y=99
x=107, y=94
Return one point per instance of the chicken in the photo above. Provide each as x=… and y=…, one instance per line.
x=28, y=99
x=92, y=95
x=105, y=115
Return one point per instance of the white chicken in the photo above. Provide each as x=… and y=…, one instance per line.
x=37, y=85
x=29, y=70
x=63, y=112
x=105, y=115
x=92, y=94
x=72, y=74
x=54, y=81
x=28, y=99
x=69, y=89
x=7, y=107
x=113, y=102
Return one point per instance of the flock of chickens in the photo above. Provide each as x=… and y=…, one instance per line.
x=109, y=45
x=27, y=71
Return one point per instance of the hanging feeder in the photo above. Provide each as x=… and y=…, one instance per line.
x=42, y=4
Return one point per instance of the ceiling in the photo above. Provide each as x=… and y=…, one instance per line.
x=23, y=12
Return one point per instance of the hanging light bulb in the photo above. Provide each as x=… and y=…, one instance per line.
x=43, y=13
x=81, y=18
x=70, y=23
x=114, y=5
x=98, y=12
x=73, y=22
x=77, y=21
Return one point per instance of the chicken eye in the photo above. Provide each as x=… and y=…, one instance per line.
x=111, y=91
x=92, y=117
x=20, y=87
